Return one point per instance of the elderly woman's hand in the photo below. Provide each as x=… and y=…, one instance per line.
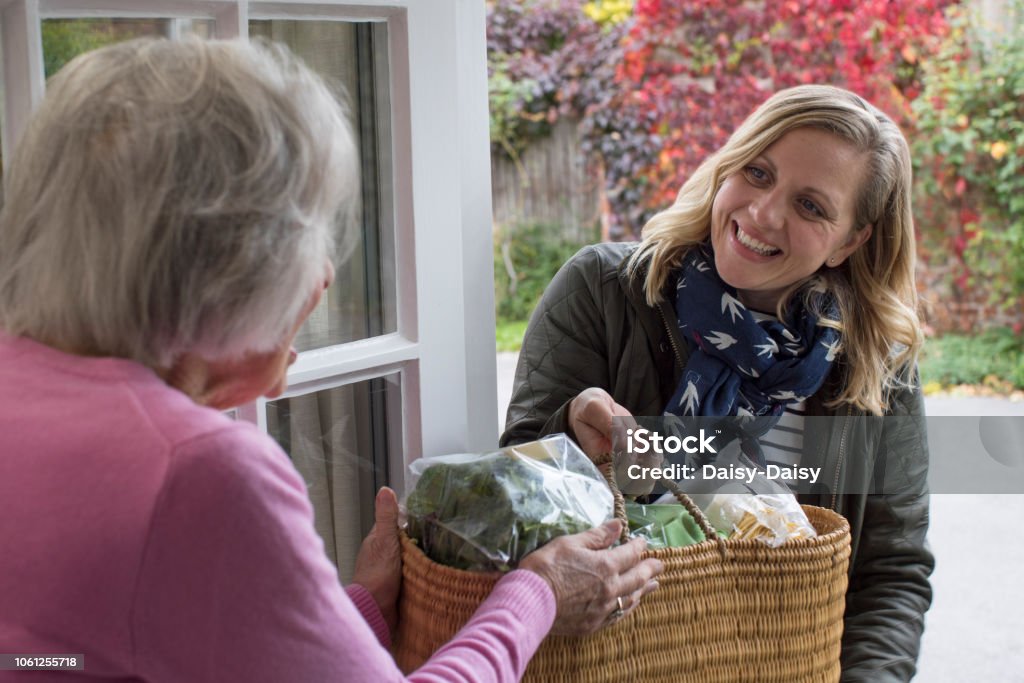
x=379, y=562
x=592, y=582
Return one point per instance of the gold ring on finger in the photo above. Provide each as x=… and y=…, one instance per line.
x=619, y=611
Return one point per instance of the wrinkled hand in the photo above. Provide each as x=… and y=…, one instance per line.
x=587, y=577
x=379, y=562
x=592, y=419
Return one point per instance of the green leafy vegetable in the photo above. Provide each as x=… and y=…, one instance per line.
x=487, y=513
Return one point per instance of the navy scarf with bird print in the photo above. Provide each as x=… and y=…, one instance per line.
x=739, y=366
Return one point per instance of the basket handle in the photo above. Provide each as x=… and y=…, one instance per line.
x=605, y=463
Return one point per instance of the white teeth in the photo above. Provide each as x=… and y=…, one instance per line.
x=754, y=244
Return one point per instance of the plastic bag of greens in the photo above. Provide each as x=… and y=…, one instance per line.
x=485, y=512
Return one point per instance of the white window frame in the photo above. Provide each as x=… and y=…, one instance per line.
x=443, y=348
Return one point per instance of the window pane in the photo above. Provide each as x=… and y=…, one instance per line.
x=64, y=39
x=353, y=57
x=340, y=441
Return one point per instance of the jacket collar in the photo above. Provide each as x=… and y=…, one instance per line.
x=660, y=321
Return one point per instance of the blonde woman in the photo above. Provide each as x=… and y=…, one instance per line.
x=169, y=225
x=779, y=284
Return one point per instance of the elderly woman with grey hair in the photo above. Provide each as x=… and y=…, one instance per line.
x=168, y=228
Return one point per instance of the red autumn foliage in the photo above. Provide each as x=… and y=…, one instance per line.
x=692, y=71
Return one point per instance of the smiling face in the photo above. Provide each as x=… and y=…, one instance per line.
x=787, y=213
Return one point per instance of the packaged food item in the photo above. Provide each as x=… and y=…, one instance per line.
x=663, y=525
x=485, y=512
x=772, y=519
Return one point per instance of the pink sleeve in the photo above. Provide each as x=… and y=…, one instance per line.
x=370, y=612
x=234, y=585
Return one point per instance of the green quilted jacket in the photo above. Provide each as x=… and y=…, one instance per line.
x=592, y=328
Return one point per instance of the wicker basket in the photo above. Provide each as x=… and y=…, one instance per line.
x=726, y=612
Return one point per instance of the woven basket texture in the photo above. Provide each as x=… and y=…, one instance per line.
x=727, y=612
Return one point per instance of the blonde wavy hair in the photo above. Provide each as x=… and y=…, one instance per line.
x=874, y=288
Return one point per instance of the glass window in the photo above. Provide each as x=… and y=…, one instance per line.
x=339, y=440
x=352, y=56
x=64, y=39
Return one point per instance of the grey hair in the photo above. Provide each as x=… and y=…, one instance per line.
x=171, y=197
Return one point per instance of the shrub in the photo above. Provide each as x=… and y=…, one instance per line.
x=994, y=357
x=525, y=260
x=546, y=59
x=969, y=155
x=692, y=71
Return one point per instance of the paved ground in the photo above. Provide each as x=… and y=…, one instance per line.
x=975, y=629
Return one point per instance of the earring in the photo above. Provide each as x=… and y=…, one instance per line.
x=832, y=261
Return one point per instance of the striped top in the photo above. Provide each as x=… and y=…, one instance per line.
x=783, y=445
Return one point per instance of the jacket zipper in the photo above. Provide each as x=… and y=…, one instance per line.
x=842, y=455
x=671, y=339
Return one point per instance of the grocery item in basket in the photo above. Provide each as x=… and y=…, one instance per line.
x=664, y=525
x=485, y=512
x=772, y=519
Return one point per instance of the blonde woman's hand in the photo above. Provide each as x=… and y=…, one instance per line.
x=600, y=425
x=592, y=581
x=591, y=420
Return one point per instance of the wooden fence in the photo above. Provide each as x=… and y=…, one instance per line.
x=550, y=184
